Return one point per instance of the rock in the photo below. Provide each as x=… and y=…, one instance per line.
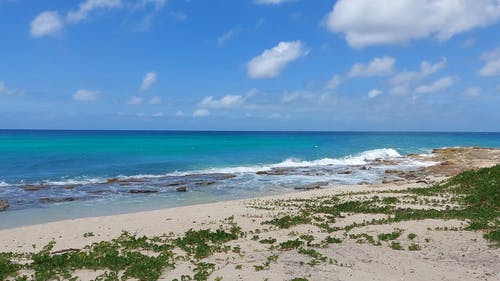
x=205, y=183
x=391, y=171
x=364, y=168
x=33, y=187
x=97, y=191
x=181, y=189
x=364, y=183
x=423, y=181
x=315, y=185
x=125, y=182
x=4, y=204
x=55, y=200
x=346, y=172
x=69, y=186
x=137, y=191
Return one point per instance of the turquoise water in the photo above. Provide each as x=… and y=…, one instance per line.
x=74, y=166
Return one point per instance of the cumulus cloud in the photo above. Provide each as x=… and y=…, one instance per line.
x=46, y=23
x=374, y=93
x=376, y=67
x=87, y=7
x=148, y=81
x=135, y=100
x=49, y=22
x=201, y=112
x=472, y=92
x=271, y=62
x=492, y=63
x=333, y=83
x=376, y=22
x=436, y=86
x=224, y=102
x=86, y=95
x=402, y=82
x=155, y=100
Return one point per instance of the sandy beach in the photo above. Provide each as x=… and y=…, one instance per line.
x=426, y=249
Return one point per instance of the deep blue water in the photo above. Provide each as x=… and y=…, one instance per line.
x=89, y=158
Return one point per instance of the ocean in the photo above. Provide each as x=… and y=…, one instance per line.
x=49, y=175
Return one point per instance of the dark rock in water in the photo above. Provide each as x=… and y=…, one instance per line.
x=69, y=186
x=364, y=168
x=4, y=204
x=276, y=172
x=34, y=187
x=182, y=189
x=55, y=200
x=346, y=172
x=137, y=191
x=205, y=183
x=123, y=181
x=216, y=176
x=97, y=191
x=176, y=183
x=391, y=171
x=315, y=185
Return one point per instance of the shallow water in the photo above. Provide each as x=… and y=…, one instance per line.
x=53, y=175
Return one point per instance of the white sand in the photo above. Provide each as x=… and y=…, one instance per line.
x=448, y=255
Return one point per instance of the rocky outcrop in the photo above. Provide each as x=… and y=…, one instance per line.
x=181, y=189
x=314, y=185
x=142, y=191
x=34, y=187
x=4, y=205
x=55, y=200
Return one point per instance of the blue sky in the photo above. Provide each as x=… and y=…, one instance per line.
x=417, y=65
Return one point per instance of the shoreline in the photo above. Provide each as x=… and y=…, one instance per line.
x=442, y=250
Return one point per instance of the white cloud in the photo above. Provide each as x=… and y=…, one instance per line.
x=375, y=22
x=436, y=86
x=402, y=82
x=226, y=37
x=271, y=62
x=492, y=63
x=86, y=95
x=469, y=42
x=376, y=67
x=155, y=100
x=85, y=8
x=472, y=92
x=224, y=102
x=135, y=100
x=46, y=23
x=374, y=93
x=201, y=112
x=158, y=114
x=4, y=90
x=271, y=2
x=148, y=81
x=333, y=83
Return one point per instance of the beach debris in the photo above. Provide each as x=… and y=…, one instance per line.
x=4, y=204
x=181, y=189
x=314, y=185
x=142, y=191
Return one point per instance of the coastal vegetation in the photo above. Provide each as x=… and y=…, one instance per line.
x=472, y=197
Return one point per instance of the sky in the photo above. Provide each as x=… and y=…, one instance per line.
x=322, y=65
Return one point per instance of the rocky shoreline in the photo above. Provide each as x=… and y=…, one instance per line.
x=449, y=162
